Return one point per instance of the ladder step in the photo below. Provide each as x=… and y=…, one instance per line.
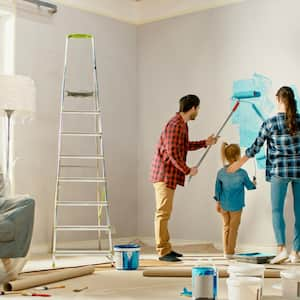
x=82, y=203
x=81, y=179
x=83, y=227
x=82, y=156
x=82, y=252
x=81, y=134
x=80, y=112
x=82, y=94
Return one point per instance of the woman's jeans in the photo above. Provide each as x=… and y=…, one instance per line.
x=279, y=188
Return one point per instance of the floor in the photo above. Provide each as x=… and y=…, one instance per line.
x=108, y=283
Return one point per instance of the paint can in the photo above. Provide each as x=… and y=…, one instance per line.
x=244, y=288
x=204, y=283
x=126, y=257
x=237, y=270
x=290, y=284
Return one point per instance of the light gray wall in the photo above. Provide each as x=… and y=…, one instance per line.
x=40, y=42
x=203, y=53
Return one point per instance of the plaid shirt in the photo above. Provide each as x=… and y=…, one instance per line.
x=169, y=162
x=283, y=150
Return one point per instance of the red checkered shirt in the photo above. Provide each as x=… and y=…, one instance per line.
x=169, y=162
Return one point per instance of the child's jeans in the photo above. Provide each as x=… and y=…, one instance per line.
x=231, y=223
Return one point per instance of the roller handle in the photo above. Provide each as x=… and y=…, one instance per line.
x=218, y=134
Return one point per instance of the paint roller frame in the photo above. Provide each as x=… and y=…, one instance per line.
x=239, y=97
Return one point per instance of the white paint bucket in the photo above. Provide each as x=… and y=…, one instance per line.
x=290, y=284
x=126, y=257
x=244, y=288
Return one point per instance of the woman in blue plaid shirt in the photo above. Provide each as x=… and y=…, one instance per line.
x=282, y=133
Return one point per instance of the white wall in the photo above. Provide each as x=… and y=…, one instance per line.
x=40, y=41
x=203, y=53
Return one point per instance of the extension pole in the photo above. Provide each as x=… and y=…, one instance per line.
x=218, y=133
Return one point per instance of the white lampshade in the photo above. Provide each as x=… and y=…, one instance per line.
x=17, y=93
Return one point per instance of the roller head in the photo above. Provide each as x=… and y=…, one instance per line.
x=246, y=95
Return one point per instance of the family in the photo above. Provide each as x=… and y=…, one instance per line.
x=281, y=133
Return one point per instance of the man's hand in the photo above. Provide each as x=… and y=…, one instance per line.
x=211, y=140
x=193, y=171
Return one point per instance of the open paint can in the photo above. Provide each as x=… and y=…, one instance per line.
x=126, y=257
x=204, y=283
x=244, y=288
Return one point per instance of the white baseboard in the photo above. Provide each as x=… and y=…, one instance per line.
x=39, y=249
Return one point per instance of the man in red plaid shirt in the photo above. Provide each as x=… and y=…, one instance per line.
x=169, y=169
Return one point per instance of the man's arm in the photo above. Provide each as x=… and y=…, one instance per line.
x=195, y=145
x=174, y=144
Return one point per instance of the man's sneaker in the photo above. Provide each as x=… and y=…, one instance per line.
x=280, y=258
x=169, y=257
x=176, y=253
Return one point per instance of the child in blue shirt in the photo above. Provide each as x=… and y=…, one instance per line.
x=230, y=196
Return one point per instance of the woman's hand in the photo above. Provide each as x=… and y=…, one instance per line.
x=237, y=165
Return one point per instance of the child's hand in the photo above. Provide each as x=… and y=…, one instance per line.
x=218, y=207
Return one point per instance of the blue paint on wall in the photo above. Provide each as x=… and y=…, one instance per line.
x=252, y=111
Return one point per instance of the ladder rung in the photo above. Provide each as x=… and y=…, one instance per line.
x=80, y=134
x=83, y=94
x=82, y=252
x=83, y=227
x=81, y=203
x=80, y=112
x=78, y=166
x=82, y=156
x=81, y=179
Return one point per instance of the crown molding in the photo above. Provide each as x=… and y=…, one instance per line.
x=145, y=11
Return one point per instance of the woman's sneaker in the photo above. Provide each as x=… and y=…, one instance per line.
x=294, y=258
x=280, y=258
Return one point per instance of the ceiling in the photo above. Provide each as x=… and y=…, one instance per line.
x=145, y=11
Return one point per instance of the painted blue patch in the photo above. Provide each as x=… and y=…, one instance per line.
x=252, y=111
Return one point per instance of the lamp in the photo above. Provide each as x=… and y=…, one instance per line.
x=17, y=94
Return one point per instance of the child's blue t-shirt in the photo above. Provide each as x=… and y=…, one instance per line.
x=230, y=189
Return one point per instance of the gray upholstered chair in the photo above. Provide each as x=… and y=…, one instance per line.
x=16, y=225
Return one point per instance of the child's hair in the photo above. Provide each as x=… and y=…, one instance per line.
x=230, y=152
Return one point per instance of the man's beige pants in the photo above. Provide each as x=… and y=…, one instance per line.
x=231, y=222
x=164, y=202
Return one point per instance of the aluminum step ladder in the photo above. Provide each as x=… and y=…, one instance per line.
x=78, y=161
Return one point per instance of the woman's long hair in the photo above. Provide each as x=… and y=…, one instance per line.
x=287, y=96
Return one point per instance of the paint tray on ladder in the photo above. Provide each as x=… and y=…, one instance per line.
x=254, y=257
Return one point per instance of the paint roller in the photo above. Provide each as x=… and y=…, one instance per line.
x=239, y=97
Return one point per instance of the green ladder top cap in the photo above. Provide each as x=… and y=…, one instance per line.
x=80, y=36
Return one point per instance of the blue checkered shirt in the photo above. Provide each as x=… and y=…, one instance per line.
x=283, y=150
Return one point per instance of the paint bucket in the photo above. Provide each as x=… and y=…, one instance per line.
x=290, y=284
x=127, y=256
x=246, y=270
x=204, y=283
x=244, y=288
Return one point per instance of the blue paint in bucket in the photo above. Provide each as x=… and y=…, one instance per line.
x=204, y=283
x=127, y=256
